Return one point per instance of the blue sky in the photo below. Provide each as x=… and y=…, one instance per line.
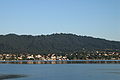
x=97, y=18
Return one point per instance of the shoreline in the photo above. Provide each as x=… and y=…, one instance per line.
x=52, y=60
x=61, y=62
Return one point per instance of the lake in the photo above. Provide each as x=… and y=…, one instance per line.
x=60, y=71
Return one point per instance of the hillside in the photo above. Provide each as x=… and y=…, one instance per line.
x=54, y=43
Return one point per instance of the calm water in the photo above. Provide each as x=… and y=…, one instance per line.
x=62, y=71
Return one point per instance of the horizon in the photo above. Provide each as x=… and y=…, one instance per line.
x=56, y=33
x=95, y=18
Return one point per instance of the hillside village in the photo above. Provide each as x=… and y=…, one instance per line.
x=31, y=57
x=96, y=55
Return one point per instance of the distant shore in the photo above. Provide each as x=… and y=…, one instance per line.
x=54, y=60
x=61, y=62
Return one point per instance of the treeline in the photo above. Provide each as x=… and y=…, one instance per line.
x=55, y=43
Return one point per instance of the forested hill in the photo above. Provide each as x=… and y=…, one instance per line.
x=54, y=43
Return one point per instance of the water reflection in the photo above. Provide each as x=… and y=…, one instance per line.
x=10, y=76
x=114, y=72
x=63, y=62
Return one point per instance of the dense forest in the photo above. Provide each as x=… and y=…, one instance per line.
x=54, y=43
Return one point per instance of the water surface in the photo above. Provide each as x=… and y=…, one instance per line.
x=62, y=71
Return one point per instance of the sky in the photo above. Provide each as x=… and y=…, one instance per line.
x=96, y=18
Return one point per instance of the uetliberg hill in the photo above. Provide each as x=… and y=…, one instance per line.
x=54, y=43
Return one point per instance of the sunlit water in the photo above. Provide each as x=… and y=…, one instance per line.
x=62, y=71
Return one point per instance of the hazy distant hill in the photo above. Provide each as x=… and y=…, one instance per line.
x=57, y=43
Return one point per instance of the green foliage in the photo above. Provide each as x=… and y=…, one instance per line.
x=54, y=43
